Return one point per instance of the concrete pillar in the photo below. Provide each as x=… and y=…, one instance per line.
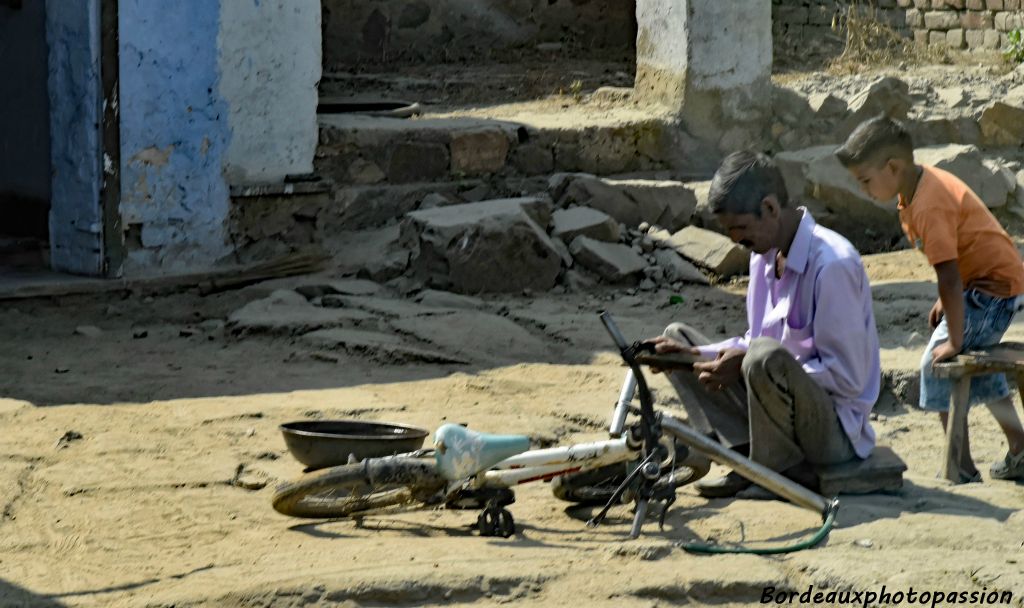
x=709, y=62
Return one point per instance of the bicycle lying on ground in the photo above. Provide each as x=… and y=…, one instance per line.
x=644, y=463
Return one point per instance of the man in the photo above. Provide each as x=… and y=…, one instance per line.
x=798, y=388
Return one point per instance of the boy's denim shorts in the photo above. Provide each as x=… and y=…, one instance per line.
x=985, y=321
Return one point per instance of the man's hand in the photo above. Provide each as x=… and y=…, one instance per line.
x=935, y=316
x=723, y=371
x=944, y=351
x=664, y=345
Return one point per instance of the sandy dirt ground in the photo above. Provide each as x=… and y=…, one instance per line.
x=137, y=465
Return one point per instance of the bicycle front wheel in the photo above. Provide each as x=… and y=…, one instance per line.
x=353, y=488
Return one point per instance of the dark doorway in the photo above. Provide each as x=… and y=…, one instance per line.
x=24, y=136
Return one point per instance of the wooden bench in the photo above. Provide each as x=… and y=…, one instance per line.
x=1006, y=358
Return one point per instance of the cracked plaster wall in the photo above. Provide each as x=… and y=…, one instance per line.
x=211, y=92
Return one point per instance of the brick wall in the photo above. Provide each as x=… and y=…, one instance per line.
x=959, y=24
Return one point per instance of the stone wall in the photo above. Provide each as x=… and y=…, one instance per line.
x=357, y=32
x=959, y=24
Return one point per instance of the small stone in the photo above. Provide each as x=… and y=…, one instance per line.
x=138, y=334
x=61, y=370
x=67, y=438
x=864, y=542
x=89, y=331
x=187, y=332
x=647, y=285
x=644, y=227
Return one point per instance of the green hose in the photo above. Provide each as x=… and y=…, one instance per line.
x=826, y=527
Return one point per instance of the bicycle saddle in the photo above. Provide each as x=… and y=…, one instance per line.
x=462, y=453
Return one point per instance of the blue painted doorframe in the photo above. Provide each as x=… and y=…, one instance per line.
x=76, y=119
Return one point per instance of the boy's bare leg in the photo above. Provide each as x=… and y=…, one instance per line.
x=967, y=466
x=1006, y=415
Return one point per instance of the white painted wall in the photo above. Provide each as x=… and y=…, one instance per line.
x=270, y=65
x=662, y=42
x=730, y=42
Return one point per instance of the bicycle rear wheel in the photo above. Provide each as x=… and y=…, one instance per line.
x=353, y=488
x=597, y=485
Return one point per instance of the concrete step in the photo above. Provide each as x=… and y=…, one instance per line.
x=368, y=150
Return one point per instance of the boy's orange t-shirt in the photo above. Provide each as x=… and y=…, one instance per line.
x=947, y=221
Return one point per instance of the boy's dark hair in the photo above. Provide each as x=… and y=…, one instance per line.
x=875, y=141
x=743, y=181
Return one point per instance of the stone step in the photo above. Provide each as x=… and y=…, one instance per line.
x=370, y=150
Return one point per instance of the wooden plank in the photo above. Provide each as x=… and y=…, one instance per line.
x=956, y=430
x=207, y=282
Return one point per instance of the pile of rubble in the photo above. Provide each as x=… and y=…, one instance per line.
x=583, y=230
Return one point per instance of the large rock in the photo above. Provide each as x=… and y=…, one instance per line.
x=286, y=312
x=827, y=105
x=678, y=269
x=887, y=95
x=491, y=246
x=1002, y=123
x=664, y=203
x=989, y=179
x=567, y=224
x=611, y=261
x=817, y=174
x=710, y=250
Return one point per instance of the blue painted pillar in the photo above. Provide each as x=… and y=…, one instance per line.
x=76, y=220
x=174, y=136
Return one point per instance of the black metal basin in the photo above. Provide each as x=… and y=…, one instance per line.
x=327, y=443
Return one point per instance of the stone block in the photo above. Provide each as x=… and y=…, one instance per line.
x=922, y=4
x=955, y=39
x=977, y=20
x=994, y=5
x=532, y=159
x=905, y=3
x=567, y=224
x=1002, y=123
x=491, y=246
x=882, y=471
x=417, y=161
x=976, y=5
x=479, y=152
x=957, y=5
x=827, y=105
x=991, y=40
x=921, y=37
x=710, y=250
x=887, y=95
x=914, y=18
x=613, y=262
x=676, y=268
x=975, y=39
x=937, y=38
x=941, y=20
x=664, y=203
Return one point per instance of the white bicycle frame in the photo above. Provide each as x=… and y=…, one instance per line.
x=548, y=463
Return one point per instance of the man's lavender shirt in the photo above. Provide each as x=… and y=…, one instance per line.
x=821, y=312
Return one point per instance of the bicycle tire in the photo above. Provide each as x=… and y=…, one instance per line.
x=596, y=486
x=347, y=489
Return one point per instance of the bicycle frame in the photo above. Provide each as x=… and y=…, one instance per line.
x=542, y=465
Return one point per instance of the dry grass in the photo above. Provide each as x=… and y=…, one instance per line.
x=871, y=43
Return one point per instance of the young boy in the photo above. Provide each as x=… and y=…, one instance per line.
x=979, y=271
